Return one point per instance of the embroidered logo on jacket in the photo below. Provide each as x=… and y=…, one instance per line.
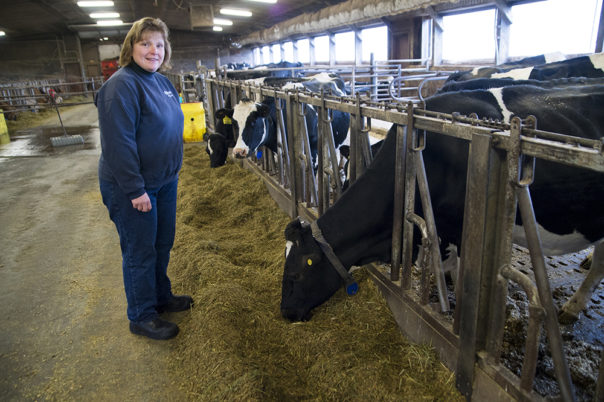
x=170, y=94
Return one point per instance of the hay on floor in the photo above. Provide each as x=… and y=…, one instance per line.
x=234, y=345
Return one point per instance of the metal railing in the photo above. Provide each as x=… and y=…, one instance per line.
x=469, y=339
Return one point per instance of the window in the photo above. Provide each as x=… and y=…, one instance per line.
x=303, y=50
x=266, y=55
x=564, y=26
x=345, y=46
x=288, y=51
x=469, y=36
x=322, y=48
x=276, y=53
x=375, y=40
x=257, y=56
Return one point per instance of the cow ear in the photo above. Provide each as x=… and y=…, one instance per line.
x=262, y=109
x=293, y=230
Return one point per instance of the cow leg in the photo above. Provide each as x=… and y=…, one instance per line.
x=570, y=311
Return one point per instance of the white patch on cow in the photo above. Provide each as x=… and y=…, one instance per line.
x=554, y=57
x=291, y=86
x=597, y=60
x=240, y=114
x=265, y=133
x=552, y=243
x=515, y=74
x=325, y=78
x=321, y=77
x=256, y=81
x=498, y=94
x=288, y=247
x=475, y=70
x=210, y=148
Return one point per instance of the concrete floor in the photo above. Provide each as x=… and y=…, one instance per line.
x=64, y=331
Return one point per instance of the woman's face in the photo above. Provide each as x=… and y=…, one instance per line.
x=149, y=52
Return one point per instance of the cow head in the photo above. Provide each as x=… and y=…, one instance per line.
x=218, y=143
x=253, y=120
x=309, y=279
x=217, y=149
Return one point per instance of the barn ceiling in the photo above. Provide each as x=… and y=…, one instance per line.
x=25, y=19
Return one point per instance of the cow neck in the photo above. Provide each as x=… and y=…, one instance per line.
x=351, y=285
x=359, y=225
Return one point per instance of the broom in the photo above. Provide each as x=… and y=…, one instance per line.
x=64, y=139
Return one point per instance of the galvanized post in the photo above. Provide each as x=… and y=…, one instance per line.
x=471, y=267
x=293, y=146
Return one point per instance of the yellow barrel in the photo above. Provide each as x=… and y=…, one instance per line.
x=4, y=137
x=195, y=122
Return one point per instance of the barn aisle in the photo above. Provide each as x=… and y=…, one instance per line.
x=64, y=331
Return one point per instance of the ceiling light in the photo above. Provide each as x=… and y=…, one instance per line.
x=233, y=11
x=2, y=33
x=222, y=21
x=217, y=28
x=109, y=22
x=95, y=3
x=104, y=15
x=265, y=1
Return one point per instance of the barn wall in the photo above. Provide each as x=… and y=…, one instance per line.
x=58, y=58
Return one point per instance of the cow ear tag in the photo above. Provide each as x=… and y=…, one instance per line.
x=259, y=154
x=352, y=289
x=227, y=120
x=309, y=262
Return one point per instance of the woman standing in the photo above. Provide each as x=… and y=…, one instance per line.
x=141, y=127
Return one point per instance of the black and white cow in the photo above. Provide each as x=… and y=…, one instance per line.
x=486, y=83
x=261, y=71
x=488, y=71
x=583, y=66
x=257, y=125
x=223, y=138
x=358, y=227
x=256, y=122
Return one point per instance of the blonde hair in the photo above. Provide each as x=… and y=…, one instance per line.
x=135, y=34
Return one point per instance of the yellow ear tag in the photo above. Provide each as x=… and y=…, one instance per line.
x=309, y=262
x=226, y=120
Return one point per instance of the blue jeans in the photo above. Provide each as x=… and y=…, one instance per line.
x=146, y=239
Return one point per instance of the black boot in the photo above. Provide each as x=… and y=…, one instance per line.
x=155, y=329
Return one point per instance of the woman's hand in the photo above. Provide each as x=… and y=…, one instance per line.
x=142, y=203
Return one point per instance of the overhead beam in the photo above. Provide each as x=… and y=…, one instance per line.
x=438, y=20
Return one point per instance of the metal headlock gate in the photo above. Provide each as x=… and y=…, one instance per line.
x=500, y=167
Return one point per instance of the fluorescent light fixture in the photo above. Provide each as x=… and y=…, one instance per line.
x=105, y=38
x=234, y=11
x=106, y=23
x=104, y=15
x=217, y=28
x=2, y=33
x=265, y=1
x=95, y=3
x=222, y=21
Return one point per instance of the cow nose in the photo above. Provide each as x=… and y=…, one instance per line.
x=240, y=153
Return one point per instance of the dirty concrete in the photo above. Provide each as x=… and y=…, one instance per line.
x=64, y=329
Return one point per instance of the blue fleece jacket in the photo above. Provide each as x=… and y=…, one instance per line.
x=141, y=126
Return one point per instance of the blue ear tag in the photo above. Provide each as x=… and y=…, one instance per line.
x=352, y=289
x=259, y=154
